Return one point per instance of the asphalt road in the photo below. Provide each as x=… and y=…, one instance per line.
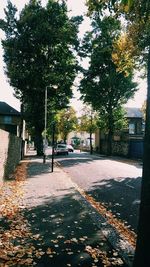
x=114, y=183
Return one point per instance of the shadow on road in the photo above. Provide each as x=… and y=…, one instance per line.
x=121, y=196
x=77, y=158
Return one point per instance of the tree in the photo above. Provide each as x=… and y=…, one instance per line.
x=120, y=121
x=88, y=122
x=66, y=122
x=138, y=32
x=38, y=52
x=104, y=86
x=138, y=29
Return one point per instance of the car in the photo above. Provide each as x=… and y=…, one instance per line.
x=70, y=148
x=61, y=149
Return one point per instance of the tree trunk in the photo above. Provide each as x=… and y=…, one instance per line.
x=39, y=143
x=91, y=147
x=110, y=134
x=109, y=143
x=142, y=257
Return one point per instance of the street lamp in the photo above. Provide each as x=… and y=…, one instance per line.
x=45, y=127
x=45, y=131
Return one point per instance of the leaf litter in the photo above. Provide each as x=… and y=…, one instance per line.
x=16, y=238
x=122, y=229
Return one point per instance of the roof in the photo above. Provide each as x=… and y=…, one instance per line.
x=5, y=109
x=133, y=112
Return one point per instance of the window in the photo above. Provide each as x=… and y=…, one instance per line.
x=7, y=119
x=131, y=128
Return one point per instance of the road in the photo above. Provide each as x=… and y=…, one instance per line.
x=114, y=183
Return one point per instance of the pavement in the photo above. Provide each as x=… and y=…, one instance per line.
x=61, y=228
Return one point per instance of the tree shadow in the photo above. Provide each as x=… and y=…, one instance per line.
x=121, y=196
x=79, y=159
x=66, y=229
x=75, y=159
x=59, y=223
x=38, y=168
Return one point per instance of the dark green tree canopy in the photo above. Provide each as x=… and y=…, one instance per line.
x=38, y=47
x=38, y=53
x=137, y=15
x=104, y=86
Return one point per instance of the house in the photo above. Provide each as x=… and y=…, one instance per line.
x=10, y=119
x=135, y=121
x=135, y=132
x=81, y=139
x=127, y=142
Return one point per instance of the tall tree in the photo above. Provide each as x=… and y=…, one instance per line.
x=137, y=14
x=105, y=86
x=138, y=30
x=38, y=52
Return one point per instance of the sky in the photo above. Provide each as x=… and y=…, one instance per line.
x=76, y=7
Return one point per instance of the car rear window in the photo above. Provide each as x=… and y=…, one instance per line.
x=61, y=146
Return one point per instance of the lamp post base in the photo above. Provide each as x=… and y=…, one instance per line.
x=44, y=158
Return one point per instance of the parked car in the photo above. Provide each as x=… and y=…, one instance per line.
x=70, y=148
x=61, y=149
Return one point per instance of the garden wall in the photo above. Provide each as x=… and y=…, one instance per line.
x=10, y=153
x=119, y=148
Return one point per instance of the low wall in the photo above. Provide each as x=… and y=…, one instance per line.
x=10, y=153
x=119, y=148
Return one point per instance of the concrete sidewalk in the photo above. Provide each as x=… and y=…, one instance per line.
x=63, y=222
x=57, y=226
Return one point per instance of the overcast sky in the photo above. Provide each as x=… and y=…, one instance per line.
x=77, y=7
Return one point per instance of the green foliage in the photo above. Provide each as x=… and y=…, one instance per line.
x=88, y=121
x=66, y=122
x=136, y=14
x=137, y=27
x=120, y=122
x=107, y=84
x=38, y=52
x=103, y=86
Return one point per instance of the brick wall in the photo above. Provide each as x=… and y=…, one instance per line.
x=10, y=153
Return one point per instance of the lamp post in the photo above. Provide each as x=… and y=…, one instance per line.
x=45, y=128
x=45, y=132
x=53, y=140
